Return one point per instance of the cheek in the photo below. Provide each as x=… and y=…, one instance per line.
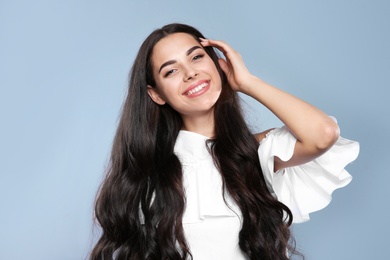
x=218, y=79
x=169, y=89
x=216, y=75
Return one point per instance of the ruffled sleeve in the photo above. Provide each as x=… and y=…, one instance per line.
x=308, y=187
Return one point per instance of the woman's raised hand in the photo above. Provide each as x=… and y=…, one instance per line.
x=237, y=73
x=314, y=130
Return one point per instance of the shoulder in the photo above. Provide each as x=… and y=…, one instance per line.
x=262, y=135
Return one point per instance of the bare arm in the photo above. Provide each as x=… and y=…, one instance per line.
x=315, y=131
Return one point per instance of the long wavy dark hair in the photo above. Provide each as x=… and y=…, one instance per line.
x=141, y=202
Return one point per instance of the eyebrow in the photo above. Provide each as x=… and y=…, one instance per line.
x=189, y=51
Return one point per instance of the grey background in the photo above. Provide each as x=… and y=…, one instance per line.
x=63, y=76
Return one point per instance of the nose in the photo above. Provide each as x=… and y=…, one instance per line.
x=190, y=73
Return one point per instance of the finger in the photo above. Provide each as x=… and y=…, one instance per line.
x=224, y=65
x=212, y=43
x=220, y=45
x=204, y=42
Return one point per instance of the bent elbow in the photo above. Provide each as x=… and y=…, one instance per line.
x=329, y=135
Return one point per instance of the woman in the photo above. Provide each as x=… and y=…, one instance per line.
x=187, y=179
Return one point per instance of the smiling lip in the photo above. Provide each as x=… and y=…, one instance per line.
x=197, y=88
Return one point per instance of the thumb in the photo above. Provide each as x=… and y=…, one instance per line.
x=224, y=65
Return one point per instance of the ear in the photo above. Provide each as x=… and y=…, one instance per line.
x=155, y=96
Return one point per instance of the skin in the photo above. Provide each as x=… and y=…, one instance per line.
x=315, y=131
x=181, y=67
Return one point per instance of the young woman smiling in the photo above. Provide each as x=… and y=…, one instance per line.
x=188, y=180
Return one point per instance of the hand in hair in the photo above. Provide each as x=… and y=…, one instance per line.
x=234, y=66
x=315, y=131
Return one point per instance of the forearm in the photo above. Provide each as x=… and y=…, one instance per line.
x=312, y=127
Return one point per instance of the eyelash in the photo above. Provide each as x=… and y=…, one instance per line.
x=199, y=56
x=169, y=72
x=195, y=58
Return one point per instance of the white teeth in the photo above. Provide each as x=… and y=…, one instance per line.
x=197, y=89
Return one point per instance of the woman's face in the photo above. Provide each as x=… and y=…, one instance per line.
x=185, y=75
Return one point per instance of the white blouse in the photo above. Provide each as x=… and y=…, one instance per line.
x=211, y=226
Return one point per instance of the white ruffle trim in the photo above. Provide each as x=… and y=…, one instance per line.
x=305, y=188
x=201, y=180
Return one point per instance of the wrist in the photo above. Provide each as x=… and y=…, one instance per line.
x=250, y=85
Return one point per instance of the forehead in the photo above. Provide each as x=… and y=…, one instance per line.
x=172, y=46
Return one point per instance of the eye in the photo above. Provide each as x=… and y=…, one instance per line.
x=197, y=57
x=169, y=72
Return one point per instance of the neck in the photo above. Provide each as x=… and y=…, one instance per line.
x=201, y=124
